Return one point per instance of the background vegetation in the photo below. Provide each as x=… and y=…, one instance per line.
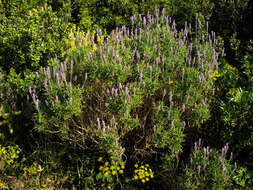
x=126, y=94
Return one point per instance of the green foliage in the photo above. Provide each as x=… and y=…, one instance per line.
x=235, y=107
x=62, y=101
x=210, y=169
x=8, y=156
x=153, y=79
x=33, y=37
x=99, y=103
x=110, y=173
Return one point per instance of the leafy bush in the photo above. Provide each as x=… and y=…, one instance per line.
x=146, y=84
x=34, y=36
x=211, y=169
x=235, y=108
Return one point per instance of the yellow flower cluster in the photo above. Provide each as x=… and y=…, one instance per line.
x=9, y=154
x=229, y=67
x=2, y=185
x=143, y=173
x=111, y=168
x=81, y=39
x=214, y=74
x=34, y=169
x=44, y=187
x=233, y=91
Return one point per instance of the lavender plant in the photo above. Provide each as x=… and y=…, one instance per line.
x=144, y=84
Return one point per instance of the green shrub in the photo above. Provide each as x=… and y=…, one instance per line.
x=34, y=36
x=235, y=108
x=212, y=169
x=151, y=83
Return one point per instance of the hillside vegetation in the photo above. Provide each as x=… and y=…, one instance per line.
x=126, y=94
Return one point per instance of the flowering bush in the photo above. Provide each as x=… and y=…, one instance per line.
x=132, y=94
x=211, y=169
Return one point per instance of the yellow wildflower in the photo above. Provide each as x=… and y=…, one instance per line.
x=100, y=159
x=106, y=174
x=101, y=168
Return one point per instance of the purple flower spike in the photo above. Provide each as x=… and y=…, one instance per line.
x=200, y=141
x=157, y=62
x=164, y=92
x=62, y=67
x=126, y=92
x=103, y=123
x=37, y=74
x=107, y=91
x=141, y=75
x=157, y=12
x=144, y=21
x=195, y=146
x=98, y=123
x=30, y=89
x=132, y=19
x=85, y=76
x=163, y=12
x=55, y=60
x=70, y=86
x=200, y=78
x=104, y=58
x=65, y=66
x=71, y=66
x=144, y=84
x=137, y=54
x=183, y=107
x=37, y=104
x=57, y=78
x=34, y=98
x=54, y=72
x=170, y=96
x=184, y=124
x=224, y=169
x=120, y=86
x=222, y=53
x=45, y=83
x=56, y=98
x=172, y=123
x=231, y=156
x=199, y=167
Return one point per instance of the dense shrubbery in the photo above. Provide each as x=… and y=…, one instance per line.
x=121, y=110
